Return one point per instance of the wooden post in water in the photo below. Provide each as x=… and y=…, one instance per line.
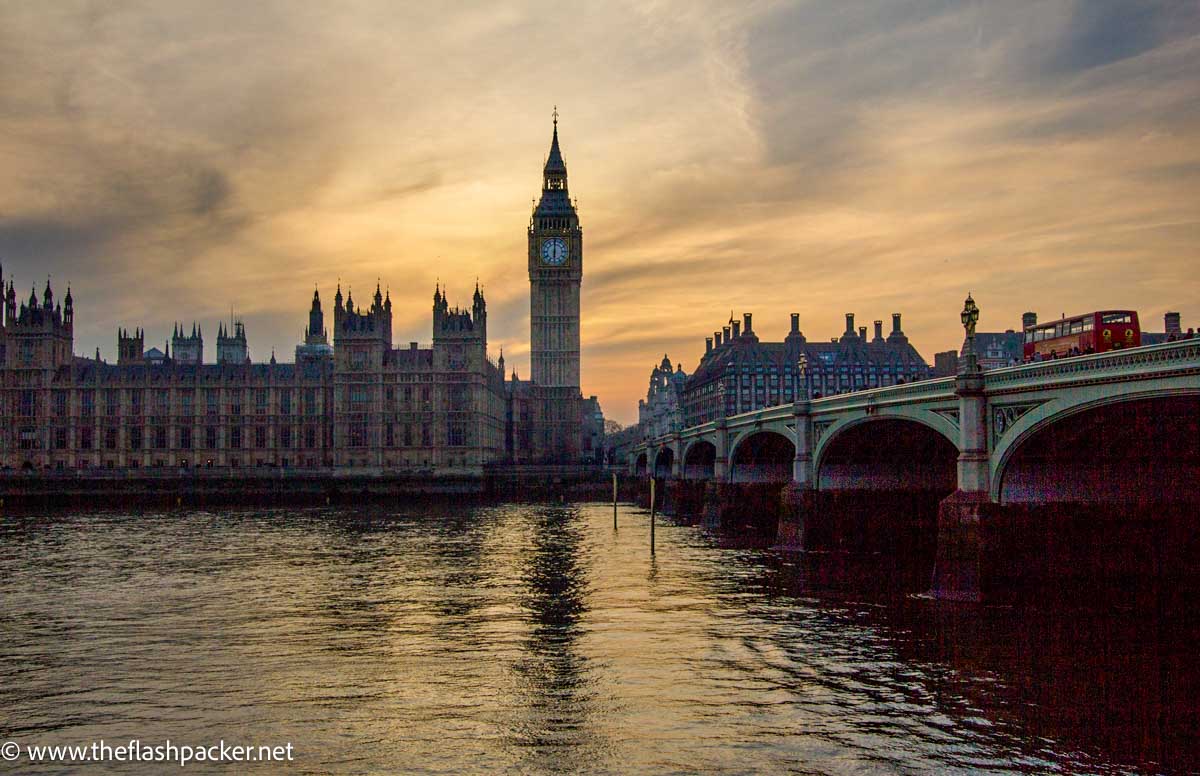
x=614, y=501
x=651, y=515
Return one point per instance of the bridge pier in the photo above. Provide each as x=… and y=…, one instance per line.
x=962, y=515
x=684, y=498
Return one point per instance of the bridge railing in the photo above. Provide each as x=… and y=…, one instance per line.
x=1147, y=359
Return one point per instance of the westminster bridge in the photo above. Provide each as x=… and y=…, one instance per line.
x=1053, y=472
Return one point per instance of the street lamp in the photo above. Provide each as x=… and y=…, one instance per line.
x=970, y=316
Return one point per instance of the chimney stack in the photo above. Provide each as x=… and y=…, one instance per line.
x=879, y=331
x=849, y=323
x=708, y=345
x=1028, y=319
x=795, y=323
x=746, y=318
x=862, y=333
x=737, y=329
x=716, y=339
x=895, y=323
x=725, y=331
x=1171, y=324
x=412, y=346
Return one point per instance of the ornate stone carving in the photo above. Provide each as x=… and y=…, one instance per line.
x=1005, y=415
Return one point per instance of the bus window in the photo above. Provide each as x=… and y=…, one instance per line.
x=1089, y=324
x=1076, y=327
x=1116, y=318
x=1028, y=336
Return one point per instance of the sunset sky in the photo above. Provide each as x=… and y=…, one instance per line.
x=172, y=160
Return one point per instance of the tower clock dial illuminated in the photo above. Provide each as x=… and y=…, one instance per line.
x=554, y=251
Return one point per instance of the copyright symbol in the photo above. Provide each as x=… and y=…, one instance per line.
x=10, y=751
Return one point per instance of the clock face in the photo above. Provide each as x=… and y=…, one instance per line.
x=554, y=251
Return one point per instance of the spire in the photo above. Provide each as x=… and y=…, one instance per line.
x=555, y=166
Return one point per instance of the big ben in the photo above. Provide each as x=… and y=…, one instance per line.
x=555, y=275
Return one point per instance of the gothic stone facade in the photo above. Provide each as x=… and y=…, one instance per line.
x=361, y=403
x=358, y=403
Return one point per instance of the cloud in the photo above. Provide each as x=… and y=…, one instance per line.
x=174, y=159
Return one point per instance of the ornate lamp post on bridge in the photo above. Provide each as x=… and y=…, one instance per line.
x=969, y=364
x=972, y=411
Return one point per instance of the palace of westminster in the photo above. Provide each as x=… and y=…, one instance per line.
x=354, y=403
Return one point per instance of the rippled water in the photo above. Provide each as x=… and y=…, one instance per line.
x=526, y=638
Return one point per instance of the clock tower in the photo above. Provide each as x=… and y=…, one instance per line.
x=555, y=274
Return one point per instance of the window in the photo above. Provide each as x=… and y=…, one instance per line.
x=210, y=437
x=85, y=438
x=1116, y=318
x=358, y=435
x=28, y=402
x=185, y=401
x=260, y=401
x=285, y=402
x=135, y=401
x=210, y=401
x=163, y=401
x=235, y=438
x=285, y=437
x=391, y=435
x=260, y=436
x=110, y=438
x=60, y=439
x=60, y=403
x=185, y=437
x=310, y=401
x=135, y=438
x=87, y=404
x=310, y=437
x=160, y=437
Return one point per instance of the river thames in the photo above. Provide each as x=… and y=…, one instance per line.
x=536, y=639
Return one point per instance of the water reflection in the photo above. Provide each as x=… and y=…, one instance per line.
x=536, y=639
x=555, y=679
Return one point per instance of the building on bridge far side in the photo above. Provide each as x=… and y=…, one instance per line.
x=739, y=373
x=661, y=412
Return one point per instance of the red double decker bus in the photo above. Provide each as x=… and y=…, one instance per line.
x=1091, y=333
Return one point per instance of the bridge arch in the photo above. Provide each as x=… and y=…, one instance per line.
x=887, y=452
x=664, y=460
x=762, y=455
x=699, y=460
x=1134, y=446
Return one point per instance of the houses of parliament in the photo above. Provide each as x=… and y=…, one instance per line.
x=352, y=401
